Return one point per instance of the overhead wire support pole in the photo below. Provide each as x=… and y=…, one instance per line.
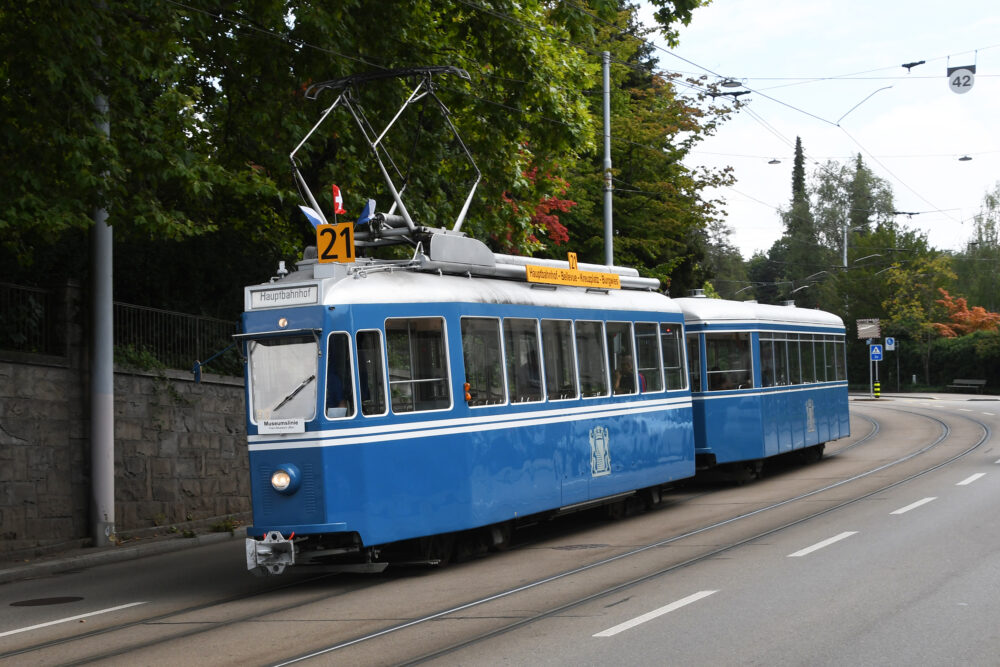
x=609, y=251
x=102, y=368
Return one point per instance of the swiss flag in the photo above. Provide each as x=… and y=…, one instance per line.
x=338, y=201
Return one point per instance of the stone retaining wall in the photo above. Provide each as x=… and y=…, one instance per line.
x=180, y=451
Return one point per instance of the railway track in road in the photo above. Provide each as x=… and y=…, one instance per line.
x=392, y=619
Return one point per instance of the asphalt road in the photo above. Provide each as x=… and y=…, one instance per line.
x=886, y=552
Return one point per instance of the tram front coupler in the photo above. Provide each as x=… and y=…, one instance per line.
x=271, y=555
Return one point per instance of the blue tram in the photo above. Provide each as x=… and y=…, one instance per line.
x=765, y=380
x=388, y=402
x=394, y=404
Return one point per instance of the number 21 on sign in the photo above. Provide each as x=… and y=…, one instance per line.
x=335, y=243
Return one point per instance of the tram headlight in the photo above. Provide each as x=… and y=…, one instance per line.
x=286, y=479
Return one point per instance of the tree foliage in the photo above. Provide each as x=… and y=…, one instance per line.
x=206, y=101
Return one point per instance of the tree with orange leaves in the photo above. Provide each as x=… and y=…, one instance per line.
x=962, y=320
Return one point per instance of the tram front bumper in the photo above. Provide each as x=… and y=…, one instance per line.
x=271, y=555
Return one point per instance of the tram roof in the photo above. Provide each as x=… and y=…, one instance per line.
x=403, y=286
x=701, y=310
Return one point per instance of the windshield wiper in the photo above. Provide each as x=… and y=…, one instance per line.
x=294, y=392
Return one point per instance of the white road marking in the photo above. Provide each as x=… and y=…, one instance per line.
x=71, y=618
x=964, y=410
x=989, y=413
x=824, y=543
x=971, y=479
x=639, y=620
x=912, y=506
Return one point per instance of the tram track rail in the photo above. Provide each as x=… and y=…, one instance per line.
x=360, y=585
x=622, y=586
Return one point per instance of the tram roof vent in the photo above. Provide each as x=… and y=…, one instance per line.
x=790, y=303
x=697, y=293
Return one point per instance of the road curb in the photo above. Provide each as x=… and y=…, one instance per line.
x=103, y=556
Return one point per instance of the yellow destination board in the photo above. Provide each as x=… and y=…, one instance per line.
x=556, y=276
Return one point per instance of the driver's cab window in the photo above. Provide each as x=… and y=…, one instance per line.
x=339, y=377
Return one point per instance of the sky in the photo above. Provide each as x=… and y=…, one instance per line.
x=809, y=63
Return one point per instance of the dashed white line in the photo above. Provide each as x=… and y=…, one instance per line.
x=989, y=413
x=639, y=620
x=71, y=618
x=964, y=410
x=824, y=543
x=913, y=506
x=970, y=479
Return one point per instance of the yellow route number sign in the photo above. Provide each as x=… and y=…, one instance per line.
x=335, y=243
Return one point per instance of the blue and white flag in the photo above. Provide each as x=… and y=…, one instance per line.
x=314, y=217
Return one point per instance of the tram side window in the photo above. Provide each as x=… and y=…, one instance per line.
x=591, y=360
x=727, y=356
x=559, y=361
x=694, y=362
x=841, y=358
x=371, y=374
x=671, y=340
x=773, y=360
x=418, y=366
x=794, y=361
x=767, y=362
x=831, y=359
x=283, y=377
x=339, y=377
x=481, y=351
x=808, y=366
x=647, y=356
x=524, y=373
x=623, y=373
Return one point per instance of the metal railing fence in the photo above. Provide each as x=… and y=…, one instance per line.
x=32, y=320
x=173, y=339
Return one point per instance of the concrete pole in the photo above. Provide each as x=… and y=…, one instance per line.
x=609, y=249
x=102, y=391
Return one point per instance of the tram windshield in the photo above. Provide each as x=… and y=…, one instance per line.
x=283, y=377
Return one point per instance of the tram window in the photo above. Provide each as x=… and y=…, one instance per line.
x=841, y=359
x=481, y=351
x=558, y=360
x=794, y=362
x=694, y=362
x=371, y=375
x=647, y=356
x=524, y=373
x=831, y=359
x=671, y=339
x=767, y=376
x=727, y=356
x=591, y=360
x=773, y=360
x=623, y=373
x=418, y=366
x=339, y=377
x=808, y=366
x=283, y=377
x=780, y=360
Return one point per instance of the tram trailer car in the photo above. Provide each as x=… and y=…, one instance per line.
x=391, y=405
x=765, y=380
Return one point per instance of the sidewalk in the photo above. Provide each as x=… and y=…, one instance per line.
x=80, y=558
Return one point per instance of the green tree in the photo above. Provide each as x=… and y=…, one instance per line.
x=912, y=306
x=977, y=267
x=660, y=215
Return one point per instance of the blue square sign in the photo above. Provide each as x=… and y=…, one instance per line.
x=876, y=351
